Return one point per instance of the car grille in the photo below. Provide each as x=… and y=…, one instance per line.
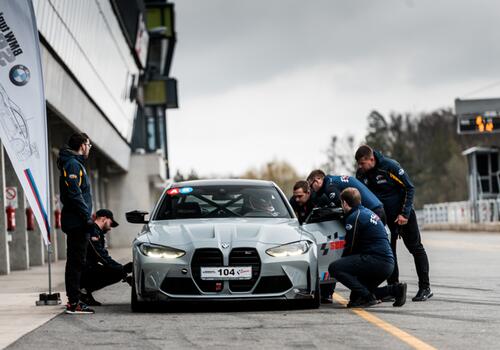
x=273, y=284
x=244, y=257
x=206, y=257
x=182, y=285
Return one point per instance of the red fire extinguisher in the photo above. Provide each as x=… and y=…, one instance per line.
x=30, y=219
x=11, y=218
x=57, y=218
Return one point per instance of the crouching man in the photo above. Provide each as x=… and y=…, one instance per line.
x=367, y=259
x=101, y=270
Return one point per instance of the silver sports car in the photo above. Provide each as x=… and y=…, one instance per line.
x=231, y=240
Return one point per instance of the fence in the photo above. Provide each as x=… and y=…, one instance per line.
x=484, y=211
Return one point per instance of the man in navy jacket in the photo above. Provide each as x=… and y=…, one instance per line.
x=391, y=184
x=328, y=188
x=76, y=215
x=367, y=259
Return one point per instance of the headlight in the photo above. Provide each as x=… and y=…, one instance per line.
x=158, y=251
x=290, y=249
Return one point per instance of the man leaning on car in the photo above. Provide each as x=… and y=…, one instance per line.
x=301, y=201
x=392, y=185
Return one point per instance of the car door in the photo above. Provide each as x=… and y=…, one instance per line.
x=326, y=225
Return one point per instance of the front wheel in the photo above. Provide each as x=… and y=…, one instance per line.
x=135, y=304
x=313, y=303
x=316, y=302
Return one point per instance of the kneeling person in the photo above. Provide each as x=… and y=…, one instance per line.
x=367, y=259
x=101, y=270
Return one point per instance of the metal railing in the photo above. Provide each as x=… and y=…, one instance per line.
x=483, y=211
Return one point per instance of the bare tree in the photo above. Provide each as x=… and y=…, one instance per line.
x=340, y=155
x=278, y=171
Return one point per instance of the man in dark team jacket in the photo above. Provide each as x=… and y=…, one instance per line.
x=101, y=269
x=391, y=184
x=76, y=215
x=367, y=259
x=328, y=187
x=301, y=201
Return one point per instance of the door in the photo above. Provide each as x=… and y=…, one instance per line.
x=326, y=225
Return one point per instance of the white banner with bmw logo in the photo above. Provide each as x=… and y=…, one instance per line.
x=23, y=121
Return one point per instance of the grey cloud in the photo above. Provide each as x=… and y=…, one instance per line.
x=224, y=44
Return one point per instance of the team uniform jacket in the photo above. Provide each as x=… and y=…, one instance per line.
x=97, y=254
x=390, y=183
x=327, y=195
x=365, y=234
x=76, y=195
x=341, y=182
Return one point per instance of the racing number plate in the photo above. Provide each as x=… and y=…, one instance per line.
x=226, y=273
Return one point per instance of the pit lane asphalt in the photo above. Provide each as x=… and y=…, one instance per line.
x=463, y=314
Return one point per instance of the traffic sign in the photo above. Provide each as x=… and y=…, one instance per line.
x=11, y=197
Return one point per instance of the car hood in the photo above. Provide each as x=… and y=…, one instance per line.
x=215, y=231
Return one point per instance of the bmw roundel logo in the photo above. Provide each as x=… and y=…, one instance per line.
x=19, y=75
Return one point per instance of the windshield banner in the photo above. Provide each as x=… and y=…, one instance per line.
x=23, y=121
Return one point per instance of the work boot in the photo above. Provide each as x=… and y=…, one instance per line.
x=423, y=294
x=400, y=298
x=365, y=301
x=88, y=299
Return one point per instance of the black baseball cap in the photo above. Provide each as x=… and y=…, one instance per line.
x=107, y=214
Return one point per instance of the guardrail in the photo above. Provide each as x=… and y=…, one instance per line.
x=484, y=211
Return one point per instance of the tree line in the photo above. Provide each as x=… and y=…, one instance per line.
x=426, y=145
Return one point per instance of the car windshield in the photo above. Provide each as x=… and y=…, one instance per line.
x=223, y=201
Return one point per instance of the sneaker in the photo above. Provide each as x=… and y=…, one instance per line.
x=400, y=298
x=363, y=302
x=78, y=308
x=423, y=294
x=88, y=299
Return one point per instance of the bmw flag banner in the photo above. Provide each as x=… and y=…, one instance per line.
x=23, y=120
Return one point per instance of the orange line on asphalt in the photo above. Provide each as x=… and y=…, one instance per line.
x=389, y=328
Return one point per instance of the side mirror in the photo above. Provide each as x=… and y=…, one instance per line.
x=136, y=217
x=324, y=214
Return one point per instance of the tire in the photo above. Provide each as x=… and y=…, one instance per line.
x=313, y=303
x=316, y=302
x=135, y=304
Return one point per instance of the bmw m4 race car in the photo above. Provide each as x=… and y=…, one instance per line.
x=231, y=240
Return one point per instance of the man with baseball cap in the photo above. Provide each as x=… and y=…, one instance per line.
x=101, y=270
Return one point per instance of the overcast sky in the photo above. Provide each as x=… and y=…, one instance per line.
x=266, y=79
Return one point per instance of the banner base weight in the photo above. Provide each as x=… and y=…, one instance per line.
x=49, y=299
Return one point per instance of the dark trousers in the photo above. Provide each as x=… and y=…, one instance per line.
x=362, y=274
x=76, y=252
x=411, y=238
x=381, y=214
x=99, y=276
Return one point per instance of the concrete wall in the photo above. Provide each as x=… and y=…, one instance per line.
x=73, y=105
x=139, y=189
